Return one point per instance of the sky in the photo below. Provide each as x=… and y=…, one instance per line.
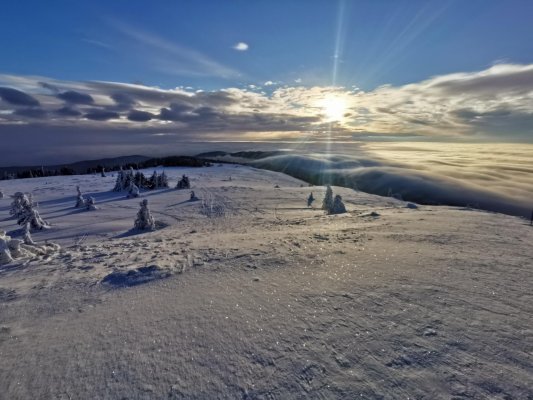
x=80, y=76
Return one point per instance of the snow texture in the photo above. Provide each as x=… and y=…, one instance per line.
x=274, y=300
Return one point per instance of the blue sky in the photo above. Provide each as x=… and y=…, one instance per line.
x=379, y=42
x=80, y=76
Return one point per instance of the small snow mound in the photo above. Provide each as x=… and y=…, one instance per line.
x=135, y=276
x=411, y=205
x=429, y=332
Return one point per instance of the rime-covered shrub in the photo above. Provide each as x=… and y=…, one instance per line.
x=23, y=209
x=144, y=220
x=80, y=200
x=134, y=191
x=32, y=217
x=213, y=207
x=90, y=204
x=13, y=249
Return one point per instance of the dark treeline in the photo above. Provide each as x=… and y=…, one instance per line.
x=172, y=161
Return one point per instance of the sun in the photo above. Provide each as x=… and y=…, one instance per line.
x=333, y=108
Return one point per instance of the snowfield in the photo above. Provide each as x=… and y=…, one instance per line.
x=263, y=298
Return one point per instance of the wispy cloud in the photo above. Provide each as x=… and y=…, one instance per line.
x=97, y=43
x=174, y=58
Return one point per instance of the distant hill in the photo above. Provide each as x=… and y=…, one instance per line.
x=251, y=155
x=91, y=166
x=79, y=167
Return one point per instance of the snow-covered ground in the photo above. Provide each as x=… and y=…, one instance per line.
x=272, y=300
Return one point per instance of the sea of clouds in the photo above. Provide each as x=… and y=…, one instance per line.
x=494, y=177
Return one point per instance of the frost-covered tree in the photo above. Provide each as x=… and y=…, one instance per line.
x=103, y=172
x=310, y=200
x=30, y=216
x=120, y=182
x=144, y=220
x=338, y=206
x=1, y=194
x=162, y=180
x=11, y=249
x=16, y=205
x=134, y=190
x=327, y=203
x=139, y=179
x=184, y=183
x=80, y=200
x=90, y=204
x=153, y=182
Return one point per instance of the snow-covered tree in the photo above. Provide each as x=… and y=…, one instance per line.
x=1, y=194
x=327, y=203
x=139, y=179
x=338, y=206
x=144, y=220
x=193, y=196
x=184, y=183
x=310, y=200
x=103, y=172
x=29, y=215
x=162, y=180
x=134, y=190
x=80, y=200
x=16, y=205
x=120, y=182
x=90, y=204
x=153, y=182
x=11, y=249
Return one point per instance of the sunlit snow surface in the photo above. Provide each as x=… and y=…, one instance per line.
x=269, y=299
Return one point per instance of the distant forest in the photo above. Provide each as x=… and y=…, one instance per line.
x=97, y=166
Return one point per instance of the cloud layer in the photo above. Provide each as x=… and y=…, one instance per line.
x=496, y=103
x=495, y=177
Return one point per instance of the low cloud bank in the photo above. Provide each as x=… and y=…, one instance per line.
x=373, y=174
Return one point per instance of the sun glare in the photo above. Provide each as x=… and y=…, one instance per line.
x=333, y=108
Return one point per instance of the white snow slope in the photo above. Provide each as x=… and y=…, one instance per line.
x=271, y=300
